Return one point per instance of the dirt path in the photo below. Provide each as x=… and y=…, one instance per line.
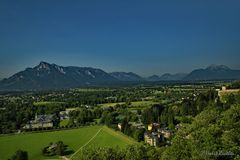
x=65, y=158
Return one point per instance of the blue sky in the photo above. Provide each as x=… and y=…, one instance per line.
x=146, y=37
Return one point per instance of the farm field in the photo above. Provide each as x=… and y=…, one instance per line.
x=47, y=103
x=92, y=89
x=75, y=139
x=133, y=104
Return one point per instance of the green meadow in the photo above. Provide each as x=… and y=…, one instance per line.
x=33, y=143
x=47, y=103
x=133, y=104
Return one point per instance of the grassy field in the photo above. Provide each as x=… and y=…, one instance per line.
x=92, y=89
x=47, y=103
x=133, y=104
x=75, y=139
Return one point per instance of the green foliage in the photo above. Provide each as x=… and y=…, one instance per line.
x=138, y=134
x=20, y=155
x=152, y=114
x=194, y=105
x=213, y=134
x=159, y=114
x=55, y=149
x=180, y=149
x=100, y=154
x=109, y=118
x=133, y=152
x=234, y=85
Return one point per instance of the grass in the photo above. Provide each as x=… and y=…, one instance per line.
x=103, y=140
x=75, y=138
x=47, y=103
x=142, y=103
x=93, y=89
x=133, y=104
x=110, y=104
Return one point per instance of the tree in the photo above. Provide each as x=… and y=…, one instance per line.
x=136, y=152
x=60, y=148
x=53, y=149
x=126, y=127
x=20, y=155
x=139, y=134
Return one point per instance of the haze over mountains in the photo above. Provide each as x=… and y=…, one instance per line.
x=51, y=76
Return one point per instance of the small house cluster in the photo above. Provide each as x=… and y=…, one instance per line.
x=156, y=135
x=40, y=121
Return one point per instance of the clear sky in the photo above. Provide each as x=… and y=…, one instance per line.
x=147, y=37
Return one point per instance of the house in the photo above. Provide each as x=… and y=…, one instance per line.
x=153, y=127
x=65, y=114
x=155, y=138
x=151, y=138
x=167, y=133
x=40, y=121
x=156, y=135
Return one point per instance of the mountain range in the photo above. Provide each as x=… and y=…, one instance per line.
x=51, y=76
x=213, y=72
x=126, y=76
x=167, y=77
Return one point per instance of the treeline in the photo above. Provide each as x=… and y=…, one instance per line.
x=132, y=131
x=14, y=115
x=234, y=85
x=193, y=105
x=133, y=152
x=84, y=116
x=161, y=114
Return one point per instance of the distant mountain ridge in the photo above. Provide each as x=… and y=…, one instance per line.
x=126, y=76
x=172, y=77
x=213, y=72
x=51, y=76
x=167, y=77
x=153, y=78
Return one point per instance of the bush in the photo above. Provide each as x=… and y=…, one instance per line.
x=20, y=155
